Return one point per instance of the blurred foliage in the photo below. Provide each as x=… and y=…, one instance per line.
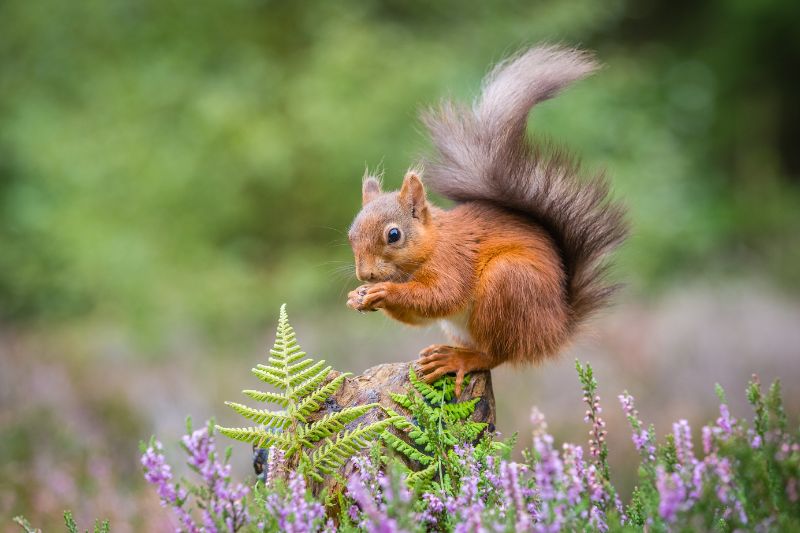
x=163, y=164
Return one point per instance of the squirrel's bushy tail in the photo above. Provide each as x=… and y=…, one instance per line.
x=483, y=154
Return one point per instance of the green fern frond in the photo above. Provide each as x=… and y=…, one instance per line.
x=419, y=436
x=297, y=367
x=313, y=401
x=439, y=423
x=400, y=422
x=262, y=437
x=273, y=397
x=301, y=391
x=332, y=456
x=268, y=375
x=401, y=446
x=461, y=410
x=271, y=419
x=471, y=430
x=401, y=399
x=334, y=422
x=423, y=477
x=428, y=392
x=311, y=372
x=311, y=383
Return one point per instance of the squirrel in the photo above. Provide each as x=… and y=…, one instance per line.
x=518, y=265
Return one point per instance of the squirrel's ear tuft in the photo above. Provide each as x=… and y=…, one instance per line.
x=412, y=194
x=370, y=189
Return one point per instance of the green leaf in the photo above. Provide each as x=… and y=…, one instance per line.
x=271, y=419
x=309, y=373
x=422, y=478
x=401, y=446
x=261, y=437
x=431, y=394
x=312, y=402
x=332, y=455
x=273, y=397
x=334, y=422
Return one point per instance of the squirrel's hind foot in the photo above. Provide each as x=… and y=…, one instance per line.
x=439, y=359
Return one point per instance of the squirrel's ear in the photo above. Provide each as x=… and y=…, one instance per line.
x=370, y=188
x=412, y=194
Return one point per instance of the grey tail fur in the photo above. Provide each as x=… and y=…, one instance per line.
x=483, y=154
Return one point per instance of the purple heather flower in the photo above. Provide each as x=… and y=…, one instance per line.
x=597, y=434
x=225, y=502
x=642, y=439
x=574, y=472
x=683, y=443
x=597, y=492
x=597, y=519
x=548, y=468
x=671, y=492
x=276, y=465
x=698, y=470
x=726, y=492
x=538, y=421
x=725, y=421
x=708, y=439
x=293, y=512
x=375, y=518
x=222, y=508
x=157, y=472
x=433, y=508
x=509, y=472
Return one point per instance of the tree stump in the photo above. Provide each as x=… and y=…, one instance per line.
x=375, y=386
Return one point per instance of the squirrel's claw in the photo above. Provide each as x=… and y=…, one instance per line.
x=438, y=360
x=367, y=297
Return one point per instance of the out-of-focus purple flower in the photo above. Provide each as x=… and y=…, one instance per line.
x=642, y=438
x=725, y=421
x=708, y=439
x=698, y=470
x=597, y=492
x=225, y=500
x=725, y=489
x=683, y=444
x=548, y=468
x=293, y=512
x=671, y=492
x=375, y=518
x=509, y=473
x=276, y=465
x=597, y=434
x=159, y=473
x=433, y=508
x=222, y=506
x=538, y=421
x=574, y=473
x=597, y=519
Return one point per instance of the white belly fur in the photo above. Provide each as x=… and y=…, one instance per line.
x=455, y=327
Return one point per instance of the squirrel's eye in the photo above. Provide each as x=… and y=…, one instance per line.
x=393, y=235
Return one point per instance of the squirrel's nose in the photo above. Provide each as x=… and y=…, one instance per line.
x=364, y=274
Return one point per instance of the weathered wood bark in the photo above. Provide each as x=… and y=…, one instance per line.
x=375, y=385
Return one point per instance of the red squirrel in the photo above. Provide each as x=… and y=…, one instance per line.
x=513, y=270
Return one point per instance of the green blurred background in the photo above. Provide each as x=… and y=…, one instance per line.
x=170, y=172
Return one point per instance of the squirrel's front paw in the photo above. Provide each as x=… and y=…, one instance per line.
x=367, y=297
